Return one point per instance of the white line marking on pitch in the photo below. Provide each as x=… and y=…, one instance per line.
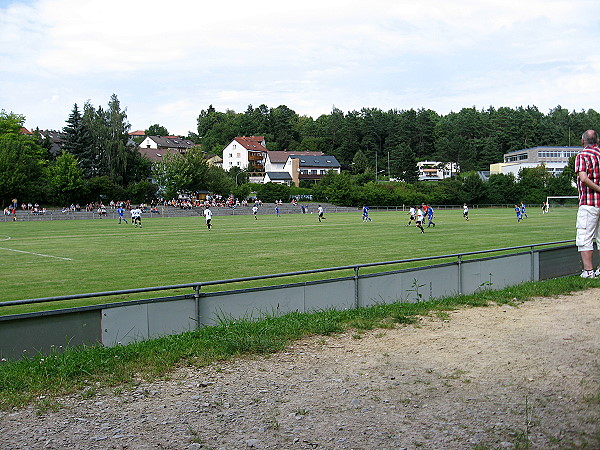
x=36, y=254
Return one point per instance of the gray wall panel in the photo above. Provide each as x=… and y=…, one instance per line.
x=409, y=286
x=559, y=262
x=171, y=317
x=506, y=271
x=335, y=294
x=250, y=304
x=430, y=283
x=377, y=289
x=43, y=333
x=124, y=324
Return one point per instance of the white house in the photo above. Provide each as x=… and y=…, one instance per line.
x=155, y=148
x=555, y=159
x=245, y=152
x=166, y=142
x=435, y=170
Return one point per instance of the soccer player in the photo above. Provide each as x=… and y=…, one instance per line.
x=466, y=212
x=120, y=211
x=320, y=212
x=523, y=213
x=136, y=216
x=411, y=215
x=365, y=215
x=277, y=209
x=208, y=216
x=255, y=211
x=518, y=211
x=419, y=221
x=430, y=216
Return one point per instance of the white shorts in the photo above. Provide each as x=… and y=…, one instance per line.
x=587, y=227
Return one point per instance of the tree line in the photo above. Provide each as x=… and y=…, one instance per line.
x=98, y=160
x=472, y=138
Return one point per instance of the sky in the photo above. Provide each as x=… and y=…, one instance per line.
x=168, y=61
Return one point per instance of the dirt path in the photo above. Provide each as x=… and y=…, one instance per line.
x=495, y=377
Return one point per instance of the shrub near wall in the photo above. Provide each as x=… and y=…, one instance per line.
x=270, y=192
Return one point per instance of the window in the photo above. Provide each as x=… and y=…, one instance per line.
x=231, y=155
x=239, y=155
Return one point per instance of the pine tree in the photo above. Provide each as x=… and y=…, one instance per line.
x=77, y=141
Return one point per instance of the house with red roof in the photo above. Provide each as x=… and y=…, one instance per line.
x=250, y=153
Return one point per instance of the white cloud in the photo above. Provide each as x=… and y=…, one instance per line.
x=166, y=62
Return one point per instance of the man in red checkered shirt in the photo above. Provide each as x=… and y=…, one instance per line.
x=587, y=168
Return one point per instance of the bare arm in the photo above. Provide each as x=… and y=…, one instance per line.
x=589, y=183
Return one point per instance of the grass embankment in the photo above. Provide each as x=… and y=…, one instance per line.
x=85, y=371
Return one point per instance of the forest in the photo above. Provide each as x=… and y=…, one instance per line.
x=474, y=139
x=98, y=162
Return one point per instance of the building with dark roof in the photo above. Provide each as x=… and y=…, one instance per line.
x=310, y=168
x=155, y=148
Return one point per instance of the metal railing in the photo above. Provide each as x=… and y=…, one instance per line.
x=197, y=286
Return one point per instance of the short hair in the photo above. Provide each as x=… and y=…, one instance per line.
x=590, y=137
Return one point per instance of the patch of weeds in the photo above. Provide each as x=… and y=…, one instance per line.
x=47, y=405
x=89, y=393
x=361, y=324
x=273, y=424
x=522, y=441
x=416, y=289
x=356, y=336
x=442, y=315
x=405, y=320
x=456, y=374
x=195, y=436
x=593, y=399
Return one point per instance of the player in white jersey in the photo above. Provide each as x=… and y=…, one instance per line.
x=208, y=217
x=136, y=217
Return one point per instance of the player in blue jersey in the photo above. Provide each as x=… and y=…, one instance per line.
x=518, y=213
x=365, y=215
x=523, y=213
x=120, y=211
x=430, y=217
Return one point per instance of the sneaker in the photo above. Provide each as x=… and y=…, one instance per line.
x=597, y=272
x=588, y=274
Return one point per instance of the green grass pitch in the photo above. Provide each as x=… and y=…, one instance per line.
x=50, y=258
